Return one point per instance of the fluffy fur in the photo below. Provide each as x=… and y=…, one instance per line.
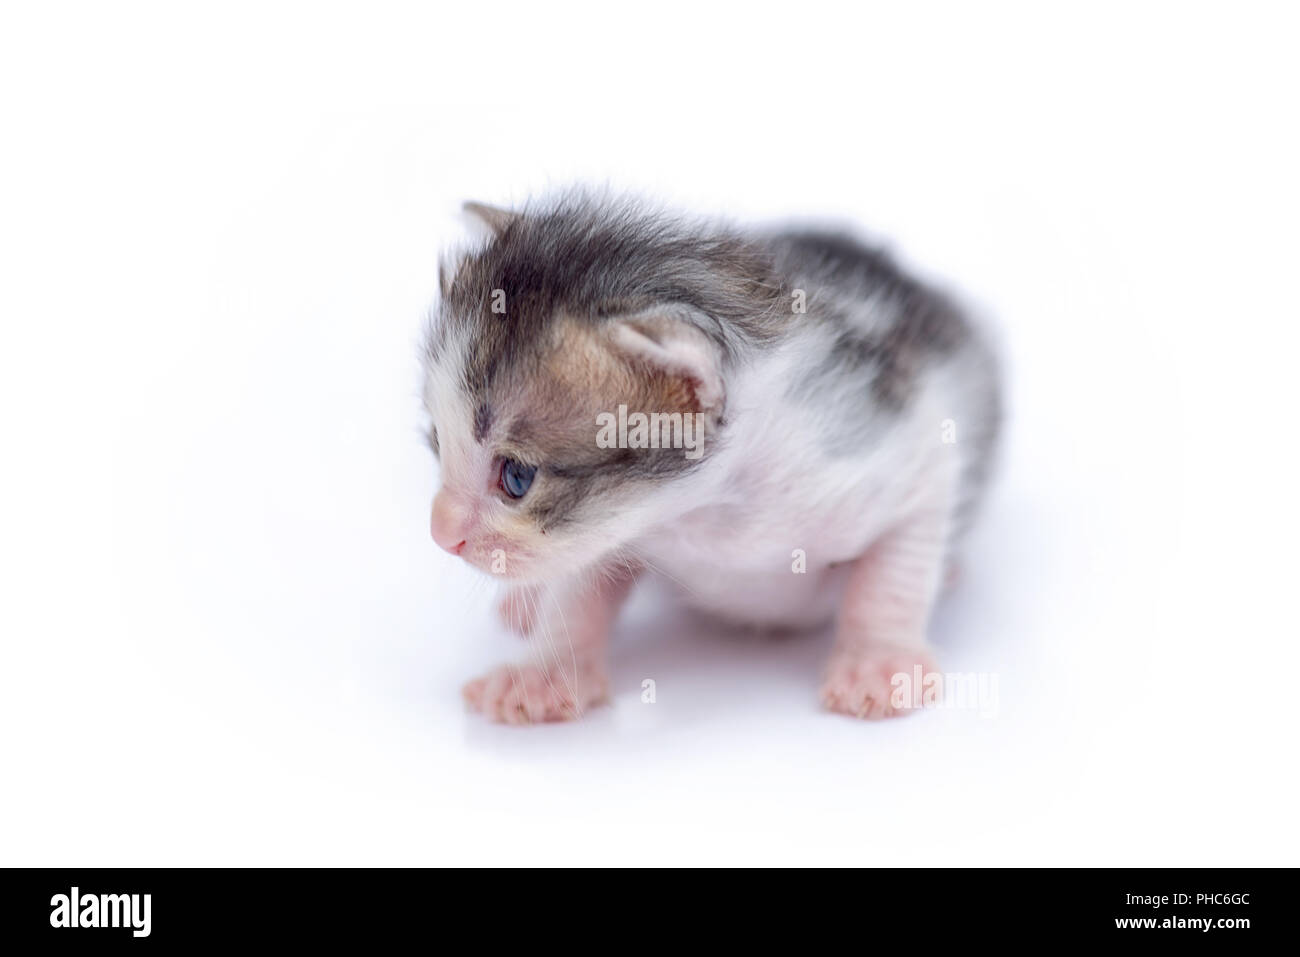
x=850, y=413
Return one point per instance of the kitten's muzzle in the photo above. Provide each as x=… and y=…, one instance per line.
x=449, y=523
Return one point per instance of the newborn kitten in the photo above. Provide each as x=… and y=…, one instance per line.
x=803, y=462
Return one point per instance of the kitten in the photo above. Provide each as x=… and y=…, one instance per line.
x=821, y=386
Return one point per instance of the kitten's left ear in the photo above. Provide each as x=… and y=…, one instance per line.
x=677, y=349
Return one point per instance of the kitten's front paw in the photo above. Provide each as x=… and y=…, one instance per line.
x=859, y=681
x=528, y=694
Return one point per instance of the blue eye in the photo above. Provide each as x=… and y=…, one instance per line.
x=516, y=478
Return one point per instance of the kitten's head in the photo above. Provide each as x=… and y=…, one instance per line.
x=567, y=314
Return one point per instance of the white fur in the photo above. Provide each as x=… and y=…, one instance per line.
x=771, y=488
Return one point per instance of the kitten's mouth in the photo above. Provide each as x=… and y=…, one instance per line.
x=497, y=562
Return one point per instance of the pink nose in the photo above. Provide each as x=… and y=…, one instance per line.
x=450, y=522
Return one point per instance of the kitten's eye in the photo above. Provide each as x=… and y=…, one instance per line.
x=516, y=477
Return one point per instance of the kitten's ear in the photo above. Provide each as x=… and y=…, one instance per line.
x=676, y=349
x=493, y=217
x=448, y=266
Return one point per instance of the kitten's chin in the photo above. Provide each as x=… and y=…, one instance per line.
x=523, y=565
x=501, y=566
x=541, y=571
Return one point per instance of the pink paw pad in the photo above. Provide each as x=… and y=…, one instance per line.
x=530, y=694
x=860, y=681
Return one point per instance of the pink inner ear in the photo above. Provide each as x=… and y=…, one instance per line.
x=678, y=352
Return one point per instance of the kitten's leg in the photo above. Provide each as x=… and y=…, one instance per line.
x=566, y=674
x=883, y=618
x=519, y=607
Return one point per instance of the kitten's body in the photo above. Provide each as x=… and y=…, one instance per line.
x=851, y=414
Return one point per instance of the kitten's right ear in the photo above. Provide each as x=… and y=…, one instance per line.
x=493, y=217
x=448, y=265
x=481, y=216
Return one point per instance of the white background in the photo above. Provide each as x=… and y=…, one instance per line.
x=227, y=637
